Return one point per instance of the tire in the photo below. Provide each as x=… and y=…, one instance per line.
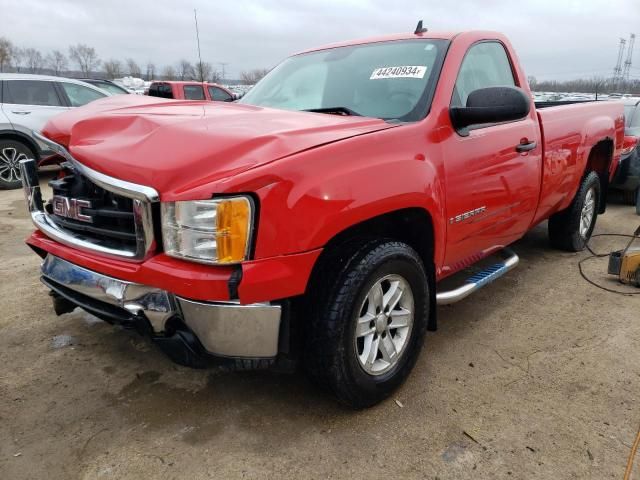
x=335, y=356
x=11, y=152
x=571, y=228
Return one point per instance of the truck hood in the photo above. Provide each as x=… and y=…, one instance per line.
x=174, y=146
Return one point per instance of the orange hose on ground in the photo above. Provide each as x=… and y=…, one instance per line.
x=634, y=449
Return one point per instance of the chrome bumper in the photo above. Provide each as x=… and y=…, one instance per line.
x=224, y=329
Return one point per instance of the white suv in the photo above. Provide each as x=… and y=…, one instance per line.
x=26, y=103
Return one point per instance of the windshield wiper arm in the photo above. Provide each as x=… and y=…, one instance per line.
x=335, y=111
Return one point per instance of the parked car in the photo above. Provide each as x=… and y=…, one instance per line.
x=191, y=91
x=315, y=219
x=26, y=103
x=107, y=85
x=627, y=177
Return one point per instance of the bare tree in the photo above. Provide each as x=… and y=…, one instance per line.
x=112, y=68
x=185, y=70
x=34, y=60
x=169, y=73
x=6, y=53
x=17, y=58
x=56, y=61
x=215, y=77
x=133, y=69
x=203, y=71
x=86, y=58
x=253, y=76
x=151, y=71
x=588, y=85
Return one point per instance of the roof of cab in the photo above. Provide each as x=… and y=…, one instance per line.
x=386, y=38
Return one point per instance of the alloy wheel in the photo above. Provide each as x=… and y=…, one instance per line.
x=384, y=324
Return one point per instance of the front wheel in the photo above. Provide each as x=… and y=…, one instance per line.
x=368, y=321
x=11, y=152
x=571, y=228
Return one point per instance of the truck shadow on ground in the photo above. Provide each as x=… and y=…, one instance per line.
x=259, y=401
x=200, y=405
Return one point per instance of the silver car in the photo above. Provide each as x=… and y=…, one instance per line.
x=26, y=103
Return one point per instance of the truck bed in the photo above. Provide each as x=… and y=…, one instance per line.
x=560, y=103
x=569, y=130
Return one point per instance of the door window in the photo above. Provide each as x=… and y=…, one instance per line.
x=193, y=92
x=162, y=90
x=485, y=65
x=219, y=95
x=31, y=92
x=80, y=95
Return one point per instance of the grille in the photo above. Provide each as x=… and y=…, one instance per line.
x=113, y=223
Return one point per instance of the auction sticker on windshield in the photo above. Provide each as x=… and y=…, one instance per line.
x=408, y=71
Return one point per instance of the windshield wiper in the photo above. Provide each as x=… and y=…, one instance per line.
x=335, y=111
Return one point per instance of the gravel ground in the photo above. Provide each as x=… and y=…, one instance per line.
x=535, y=376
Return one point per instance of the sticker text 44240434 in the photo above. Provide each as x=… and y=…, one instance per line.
x=407, y=71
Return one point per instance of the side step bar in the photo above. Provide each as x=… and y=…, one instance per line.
x=479, y=280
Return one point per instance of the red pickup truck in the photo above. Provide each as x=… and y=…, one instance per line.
x=315, y=219
x=191, y=91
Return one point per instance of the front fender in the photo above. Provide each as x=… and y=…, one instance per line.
x=307, y=199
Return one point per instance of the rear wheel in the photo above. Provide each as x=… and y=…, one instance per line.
x=571, y=229
x=11, y=152
x=368, y=321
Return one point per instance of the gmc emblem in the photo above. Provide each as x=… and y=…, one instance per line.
x=71, y=208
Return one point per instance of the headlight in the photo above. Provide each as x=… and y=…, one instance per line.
x=208, y=231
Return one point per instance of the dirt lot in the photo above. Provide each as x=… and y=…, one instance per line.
x=536, y=376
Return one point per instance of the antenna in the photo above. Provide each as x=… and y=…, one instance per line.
x=419, y=29
x=195, y=16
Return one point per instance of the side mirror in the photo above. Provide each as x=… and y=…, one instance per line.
x=491, y=105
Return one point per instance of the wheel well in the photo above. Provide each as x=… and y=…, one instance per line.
x=412, y=226
x=599, y=161
x=22, y=139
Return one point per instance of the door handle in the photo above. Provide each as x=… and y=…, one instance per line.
x=20, y=112
x=526, y=147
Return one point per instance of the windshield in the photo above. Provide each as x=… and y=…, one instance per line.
x=110, y=87
x=388, y=80
x=632, y=115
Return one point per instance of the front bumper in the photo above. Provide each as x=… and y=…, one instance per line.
x=224, y=329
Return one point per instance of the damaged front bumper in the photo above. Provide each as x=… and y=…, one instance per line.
x=187, y=330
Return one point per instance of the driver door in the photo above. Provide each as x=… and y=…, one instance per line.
x=492, y=188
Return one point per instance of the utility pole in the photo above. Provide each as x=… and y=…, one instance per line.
x=617, y=71
x=223, y=65
x=627, y=62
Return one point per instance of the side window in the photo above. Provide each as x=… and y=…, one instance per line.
x=193, y=92
x=80, y=95
x=485, y=65
x=162, y=90
x=219, y=95
x=31, y=92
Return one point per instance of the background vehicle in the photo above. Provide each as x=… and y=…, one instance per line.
x=26, y=103
x=317, y=218
x=627, y=177
x=108, y=86
x=190, y=91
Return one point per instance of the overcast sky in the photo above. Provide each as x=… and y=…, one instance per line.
x=555, y=39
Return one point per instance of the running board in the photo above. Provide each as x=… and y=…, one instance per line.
x=479, y=280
